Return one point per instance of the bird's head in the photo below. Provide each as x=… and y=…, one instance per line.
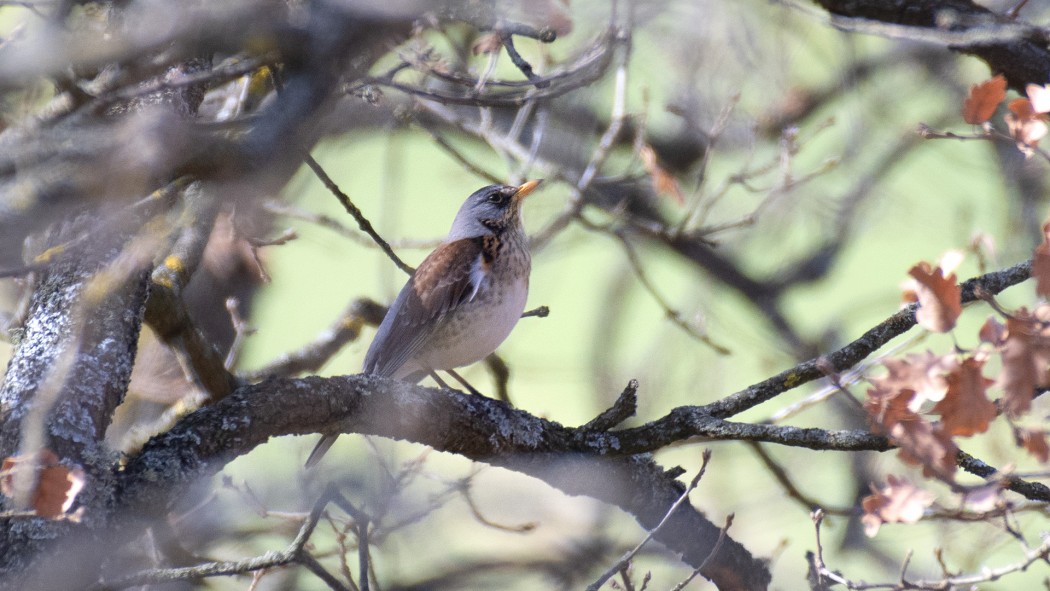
x=490, y=210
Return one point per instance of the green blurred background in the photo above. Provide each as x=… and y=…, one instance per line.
x=605, y=329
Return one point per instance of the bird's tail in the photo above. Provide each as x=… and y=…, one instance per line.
x=320, y=450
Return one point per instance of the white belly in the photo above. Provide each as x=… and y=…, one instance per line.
x=477, y=327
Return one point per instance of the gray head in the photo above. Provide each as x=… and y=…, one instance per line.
x=490, y=210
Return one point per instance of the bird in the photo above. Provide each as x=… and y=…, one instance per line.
x=462, y=301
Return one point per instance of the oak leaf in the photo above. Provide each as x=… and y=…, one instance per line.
x=926, y=444
x=1034, y=442
x=980, y=105
x=1041, y=264
x=992, y=332
x=56, y=486
x=1025, y=124
x=917, y=377
x=899, y=501
x=939, y=297
x=888, y=406
x=1025, y=358
x=965, y=409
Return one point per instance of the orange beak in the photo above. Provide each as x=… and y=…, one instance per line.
x=525, y=189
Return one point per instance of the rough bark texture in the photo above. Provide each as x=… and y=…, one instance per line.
x=66, y=378
x=1023, y=58
x=119, y=162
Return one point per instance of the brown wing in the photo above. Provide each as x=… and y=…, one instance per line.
x=446, y=278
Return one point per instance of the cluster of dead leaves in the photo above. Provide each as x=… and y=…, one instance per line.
x=926, y=400
x=54, y=485
x=1026, y=119
x=899, y=501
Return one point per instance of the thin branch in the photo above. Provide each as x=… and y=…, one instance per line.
x=1030, y=490
x=718, y=544
x=784, y=479
x=626, y=406
x=334, y=225
x=294, y=553
x=213, y=76
x=362, y=221
x=626, y=558
x=853, y=353
x=672, y=314
x=476, y=512
x=589, y=67
x=519, y=62
x=539, y=312
x=310, y=357
x=1031, y=556
x=241, y=329
x=459, y=157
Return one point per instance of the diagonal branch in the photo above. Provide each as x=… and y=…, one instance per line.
x=851, y=354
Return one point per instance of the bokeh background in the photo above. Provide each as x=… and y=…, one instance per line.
x=815, y=125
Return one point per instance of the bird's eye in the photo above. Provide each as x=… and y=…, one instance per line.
x=496, y=198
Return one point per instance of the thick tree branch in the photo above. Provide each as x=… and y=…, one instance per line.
x=1016, y=50
x=477, y=428
x=68, y=374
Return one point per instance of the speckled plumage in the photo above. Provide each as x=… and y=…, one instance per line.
x=463, y=300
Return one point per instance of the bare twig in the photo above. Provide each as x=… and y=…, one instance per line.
x=242, y=330
x=624, y=407
x=626, y=558
x=1031, y=556
x=540, y=312
x=362, y=221
x=672, y=314
x=334, y=225
x=782, y=477
x=294, y=553
x=346, y=328
x=718, y=544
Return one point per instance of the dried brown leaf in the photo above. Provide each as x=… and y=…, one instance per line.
x=993, y=332
x=940, y=299
x=664, y=182
x=928, y=445
x=887, y=406
x=899, y=501
x=1041, y=264
x=57, y=485
x=1026, y=125
x=980, y=105
x=917, y=377
x=1034, y=442
x=966, y=410
x=1025, y=358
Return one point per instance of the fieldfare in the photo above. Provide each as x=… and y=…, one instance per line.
x=464, y=298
